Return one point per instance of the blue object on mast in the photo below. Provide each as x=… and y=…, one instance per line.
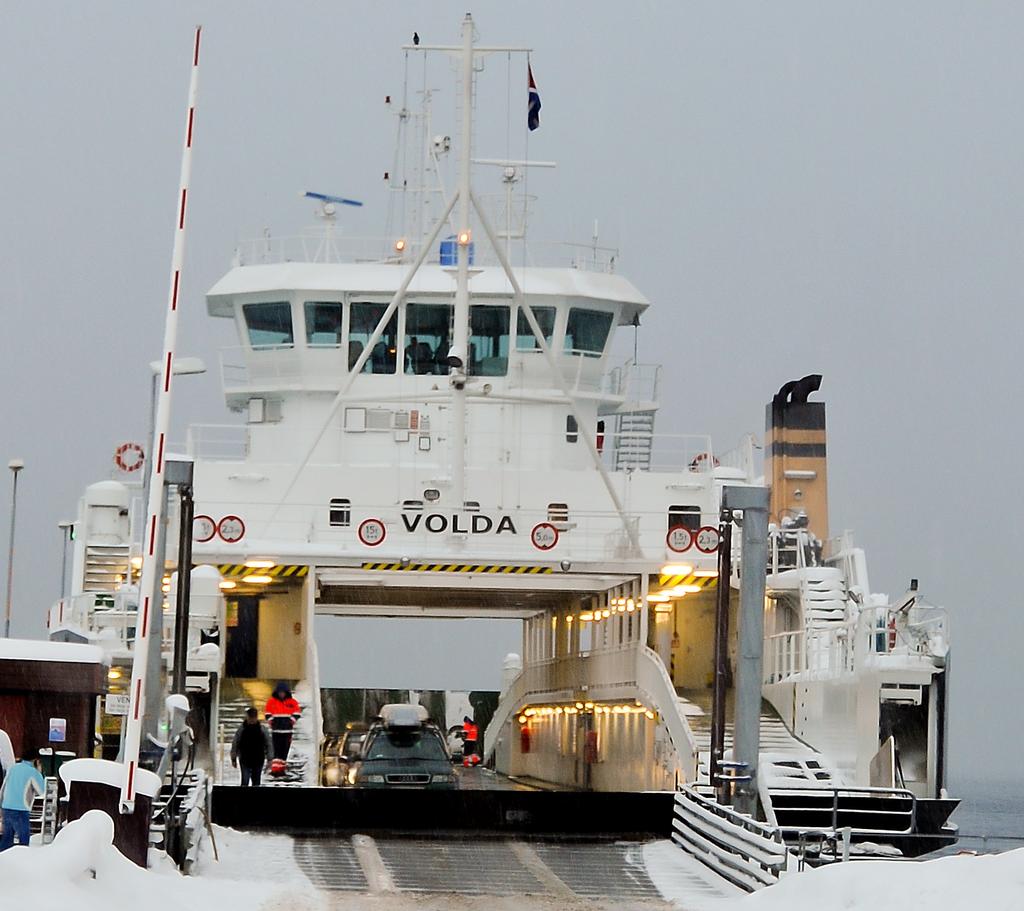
x=324, y=197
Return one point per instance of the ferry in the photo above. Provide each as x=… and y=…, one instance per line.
x=433, y=424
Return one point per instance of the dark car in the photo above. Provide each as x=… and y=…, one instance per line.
x=339, y=753
x=404, y=750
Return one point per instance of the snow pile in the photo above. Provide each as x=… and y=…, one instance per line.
x=958, y=883
x=82, y=870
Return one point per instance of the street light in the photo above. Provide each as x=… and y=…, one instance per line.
x=15, y=465
x=65, y=525
x=182, y=366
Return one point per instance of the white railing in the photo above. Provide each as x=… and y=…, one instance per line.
x=748, y=853
x=744, y=458
x=653, y=680
x=218, y=442
x=320, y=245
x=816, y=654
x=822, y=654
x=633, y=382
x=687, y=454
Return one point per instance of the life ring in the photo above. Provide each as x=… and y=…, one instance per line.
x=129, y=457
x=698, y=460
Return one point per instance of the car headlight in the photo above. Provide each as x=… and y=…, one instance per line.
x=351, y=776
x=442, y=779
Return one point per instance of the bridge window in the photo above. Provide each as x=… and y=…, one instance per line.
x=525, y=339
x=364, y=319
x=488, y=341
x=427, y=328
x=269, y=325
x=684, y=517
x=341, y=513
x=586, y=331
x=323, y=324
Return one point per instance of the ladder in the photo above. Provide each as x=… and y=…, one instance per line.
x=634, y=437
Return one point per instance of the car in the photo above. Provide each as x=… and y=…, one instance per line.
x=404, y=749
x=340, y=751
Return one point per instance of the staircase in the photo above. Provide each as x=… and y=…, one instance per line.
x=824, y=594
x=165, y=825
x=634, y=436
x=236, y=696
x=785, y=759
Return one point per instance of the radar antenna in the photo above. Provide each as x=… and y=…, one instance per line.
x=327, y=210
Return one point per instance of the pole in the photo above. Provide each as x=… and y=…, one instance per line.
x=460, y=328
x=155, y=495
x=64, y=563
x=15, y=465
x=186, y=513
x=721, y=652
x=747, y=723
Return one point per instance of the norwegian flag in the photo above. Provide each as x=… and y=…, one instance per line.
x=533, y=104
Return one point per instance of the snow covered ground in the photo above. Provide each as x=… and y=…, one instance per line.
x=81, y=870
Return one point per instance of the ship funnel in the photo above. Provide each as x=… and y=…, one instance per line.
x=795, y=464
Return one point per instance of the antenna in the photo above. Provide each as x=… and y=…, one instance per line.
x=328, y=202
x=327, y=211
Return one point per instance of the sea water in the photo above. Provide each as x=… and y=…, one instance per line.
x=990, y=816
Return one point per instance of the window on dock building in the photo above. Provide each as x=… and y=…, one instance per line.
x=341, y=513
x=363, y=320
x=488, y=340
x=427, y=338
x=269, y=325
x=525, y=339
x=586, y=331
x=323, y=324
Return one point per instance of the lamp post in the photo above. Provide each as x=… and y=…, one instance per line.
x=65, y=525
x=15, y=465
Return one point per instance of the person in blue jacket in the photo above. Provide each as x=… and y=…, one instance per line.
x=22, y=782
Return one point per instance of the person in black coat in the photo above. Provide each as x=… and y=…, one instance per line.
x=251, y=748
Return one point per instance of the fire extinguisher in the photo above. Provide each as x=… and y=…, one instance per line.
x=590, y=747
x=524, y=739
x=892, y=633
x=600, y=437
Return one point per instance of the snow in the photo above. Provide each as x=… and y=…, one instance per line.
x=81, y=870
x=685, y=881
x=104, y=771
x=42, y=650
x=994, y=882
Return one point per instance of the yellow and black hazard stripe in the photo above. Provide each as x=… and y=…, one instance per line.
x=672, y=581
x=235, y=570
x=459, y=568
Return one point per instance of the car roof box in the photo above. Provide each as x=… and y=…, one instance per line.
x=401, y=715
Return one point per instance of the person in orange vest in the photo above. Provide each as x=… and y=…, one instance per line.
x=472, y=733
x=282, y=712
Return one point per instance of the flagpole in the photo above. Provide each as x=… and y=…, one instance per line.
x=147, y=611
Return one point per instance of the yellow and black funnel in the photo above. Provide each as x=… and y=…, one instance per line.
x=795, y=460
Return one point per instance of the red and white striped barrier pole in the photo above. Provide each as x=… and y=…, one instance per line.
x=155, y=506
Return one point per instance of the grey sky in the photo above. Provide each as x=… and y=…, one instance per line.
x=797, y=187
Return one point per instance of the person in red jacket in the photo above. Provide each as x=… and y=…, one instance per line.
x=471, y=734
x=282, y=712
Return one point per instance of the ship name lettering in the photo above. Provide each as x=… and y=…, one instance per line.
x=438, y=523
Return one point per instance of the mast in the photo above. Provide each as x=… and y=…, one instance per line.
x=149, y=612
x=460, y=330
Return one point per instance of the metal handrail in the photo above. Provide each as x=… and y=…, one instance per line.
x=867, y=791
